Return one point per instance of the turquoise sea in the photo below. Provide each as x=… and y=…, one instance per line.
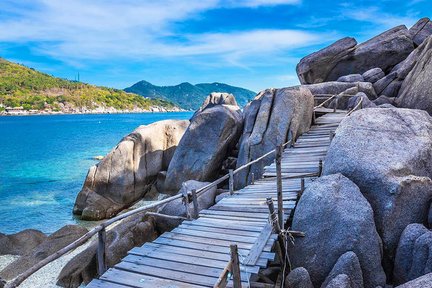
x=44, y=160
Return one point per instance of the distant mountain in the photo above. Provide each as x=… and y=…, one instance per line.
x=24, y=87
x=189, y=96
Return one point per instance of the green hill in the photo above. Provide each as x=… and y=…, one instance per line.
x=26, y=87
x=189, y=96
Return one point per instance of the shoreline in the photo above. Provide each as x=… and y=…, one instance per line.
x=89, y=113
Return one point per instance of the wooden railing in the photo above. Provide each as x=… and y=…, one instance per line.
x=189, y=196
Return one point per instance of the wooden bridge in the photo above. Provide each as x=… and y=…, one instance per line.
x=196, y=253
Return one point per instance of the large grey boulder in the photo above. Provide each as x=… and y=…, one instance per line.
x=21, y=243
x=383, y=99
x=271, y=119
x=349, y=227
x=212, y=133
x=354, y=101
x=421, y=282
x=298, y=278
x=126, y=174
x=405, y=252
x=388, y=154
x=335, y=88
x=421, y=30
x=373, y=75
x=315, y=67
x=217, y=98
x=131, y=232
x=343, y=57
x=351, y=78
x=349, y=265
x=340, y=281
x=416, y=88
x=56, y=241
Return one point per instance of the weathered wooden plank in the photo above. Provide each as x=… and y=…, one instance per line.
x=96, y=283
x=166, y=274
x=150, y=249
x=204, y=240
x=205, y=247
x=258, y=246
x=141, y=281
x=178, y=266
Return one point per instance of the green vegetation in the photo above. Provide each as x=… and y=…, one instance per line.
x=26, y=87
x=189, y=96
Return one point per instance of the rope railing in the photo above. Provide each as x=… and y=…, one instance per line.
x=357, y=107
x=101, y=228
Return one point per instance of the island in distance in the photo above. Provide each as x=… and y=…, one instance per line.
x=188, y=96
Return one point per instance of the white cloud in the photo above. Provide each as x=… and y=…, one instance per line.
x=100, y=30
x=259, y=3
x=376, y=16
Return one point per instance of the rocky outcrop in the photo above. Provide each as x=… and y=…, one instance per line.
x=352, y=78
x=316, y=67
x=416, y=88
x=345, y=57
x=21, y=243
x=354, y=101
x=348, y=264
x=373, y=75
x=388, y=154
x=298, y=278
x=334, y=88
x=271, y=119
x=413, y=257
x=50, y=245
x=349, y=227
x=421, y=282
x=340, y=281
x=213, y=132
x=131, y=232
x=128, y=171
x=421, y=30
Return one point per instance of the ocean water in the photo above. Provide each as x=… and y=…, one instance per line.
x=44, y=161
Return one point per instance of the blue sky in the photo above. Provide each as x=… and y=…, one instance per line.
x=255, y=44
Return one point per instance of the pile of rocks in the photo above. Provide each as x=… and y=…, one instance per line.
x=366, y=219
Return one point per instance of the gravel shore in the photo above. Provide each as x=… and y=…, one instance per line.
x=47, y=276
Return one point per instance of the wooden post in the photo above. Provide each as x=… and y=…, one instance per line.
x=273, y=216
x=186, y=204
x=331, y=136
x=279, y=150
x=276, y=229
x=252, y=178
x=313, y=117
x=101, y=263
x=195, y=204
x=302, y=187
x=336, y=104
x=231, y=181
x=235, y=266
x=320, y=167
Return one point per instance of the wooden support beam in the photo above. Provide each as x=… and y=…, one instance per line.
x=302, y=187
x=252, y=178
x=279, y=151
x=320, y=167
x=195, y=204
x=331, y=136
x=277, y=229
x=231, y=181
x=235, y=266
x=101, y=253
